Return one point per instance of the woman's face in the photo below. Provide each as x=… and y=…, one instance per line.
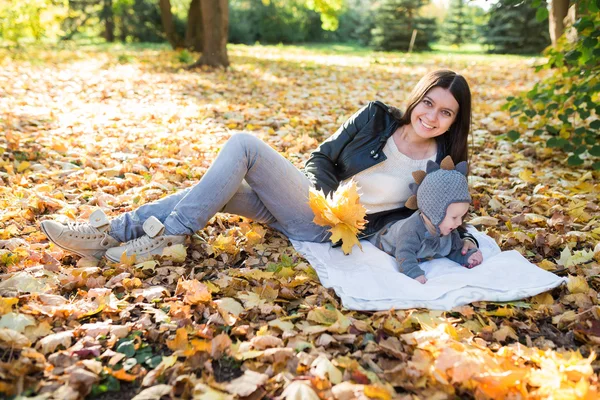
x=434, y=114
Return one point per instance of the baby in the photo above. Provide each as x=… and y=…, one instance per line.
x=442, y=197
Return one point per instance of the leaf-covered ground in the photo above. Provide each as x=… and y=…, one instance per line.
x=239, y=314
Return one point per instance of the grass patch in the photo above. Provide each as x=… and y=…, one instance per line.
x=65, y=52
x=467, y=52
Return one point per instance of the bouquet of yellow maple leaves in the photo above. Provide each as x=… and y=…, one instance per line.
x=341, y=211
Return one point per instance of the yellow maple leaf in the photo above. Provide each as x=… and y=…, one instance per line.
x=341, y=211
x=224, y=244
x=6, y=304
x=527, y=176
x=577, y=284
x=59, y=145
x=547, y=265
x=251, y=300
x=196, y=345
x=347, y=235
x=502, y=312
x=334, y=320
x=256, y=235
x=376, y=392
x=194, y=291
x=578, y=257
x=176, y=253
x=132, y=283
x=23, y=166
x=543, y=298
x=127, y=260
x=576, y=210
x=498, y=385
x=180, y=342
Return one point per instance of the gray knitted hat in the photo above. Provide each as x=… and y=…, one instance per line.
x=438, y=187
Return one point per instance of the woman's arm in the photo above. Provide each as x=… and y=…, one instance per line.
x=469, y=240
x=321, y=166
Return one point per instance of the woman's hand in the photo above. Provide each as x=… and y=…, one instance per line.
x=421, y=279
x=467, y=245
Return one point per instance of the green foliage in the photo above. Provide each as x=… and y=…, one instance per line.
x=134, y=20
x=462, y=23
x=31, y=19
x=329, y=11
x=394, y=22
x=286, y=262
x=565, y=104
x=8, y=258
x=185, y=57
x=294, y=21
x=355, y=23
x=133, y=347
x=266, y=21
x=513, y=28
x=83, y=17
x=108, y=384
x=138, y=21
x=275, y=21
x=124, y=58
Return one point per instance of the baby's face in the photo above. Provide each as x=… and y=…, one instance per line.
x=454, y=216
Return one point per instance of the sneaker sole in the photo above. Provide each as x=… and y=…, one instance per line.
x=138, y=259
x=66, y=248
x=118, y=260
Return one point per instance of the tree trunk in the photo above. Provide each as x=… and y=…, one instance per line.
x=215, y=20
x=569, y=20
x=193, y=31
x=166, y=17
x=558, y=11
x=109, y=21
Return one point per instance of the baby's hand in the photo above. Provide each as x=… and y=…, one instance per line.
x=475, y=259
x=421, y=279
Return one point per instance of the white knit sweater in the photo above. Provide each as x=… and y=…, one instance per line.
x=385, y=186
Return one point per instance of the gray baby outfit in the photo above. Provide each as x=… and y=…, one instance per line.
x=418, y=245
x=434, y=192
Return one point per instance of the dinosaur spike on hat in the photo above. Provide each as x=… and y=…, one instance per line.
x=431, y=166
x=418, y=176
x=414, y=186
x=412, y=202
x=462, y=167
x=434, y=190
x=447, y=163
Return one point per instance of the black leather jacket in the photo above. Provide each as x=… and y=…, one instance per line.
x=356, y=146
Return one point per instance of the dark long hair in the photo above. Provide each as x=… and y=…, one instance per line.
x=455, y=142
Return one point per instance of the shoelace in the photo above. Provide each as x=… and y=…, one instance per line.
x=139, y=243
x=83, y=227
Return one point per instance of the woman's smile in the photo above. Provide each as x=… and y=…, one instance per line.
x=426, y=125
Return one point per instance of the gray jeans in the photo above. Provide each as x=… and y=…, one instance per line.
x=248, y=178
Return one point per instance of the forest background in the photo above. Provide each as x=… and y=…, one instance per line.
x=507, y=26
x=115, y=103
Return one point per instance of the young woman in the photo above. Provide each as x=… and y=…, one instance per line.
x=378, y=146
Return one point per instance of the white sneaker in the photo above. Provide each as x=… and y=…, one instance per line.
x=87, y=239
x=153, y=242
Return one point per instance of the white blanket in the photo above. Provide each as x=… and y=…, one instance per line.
x=369, y=281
